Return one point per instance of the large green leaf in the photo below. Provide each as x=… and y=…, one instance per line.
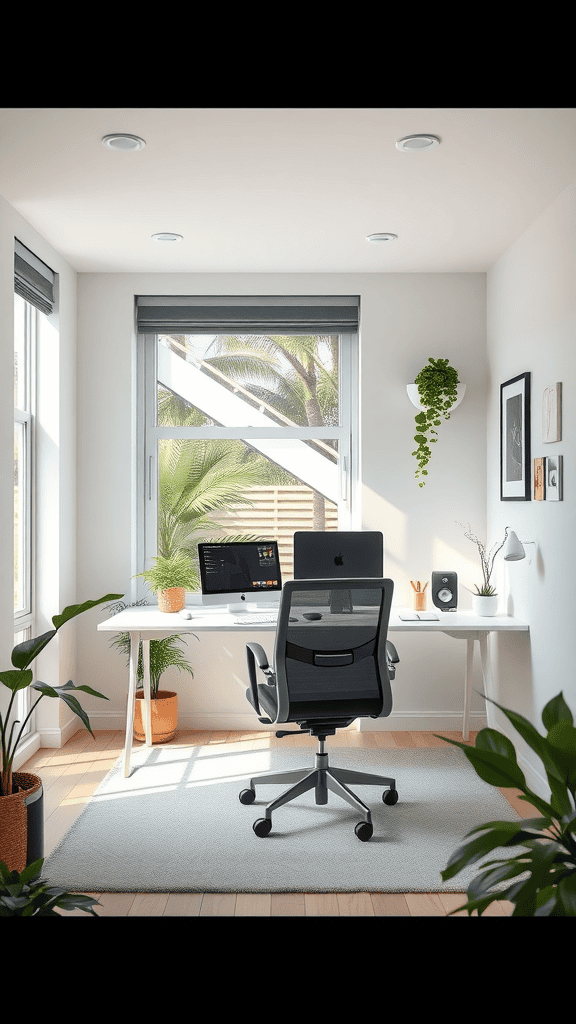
x=534, y=739
x=566, y=891
x=24, y=653
x=64, y=693
x=496, y=769
x=556, y=711
x=72, y=610
x=477, y=848
x=16, y=680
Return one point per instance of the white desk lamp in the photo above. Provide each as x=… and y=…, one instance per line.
x=514, y=549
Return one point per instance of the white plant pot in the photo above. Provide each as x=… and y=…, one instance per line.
x=484, y=605
x=414, y=397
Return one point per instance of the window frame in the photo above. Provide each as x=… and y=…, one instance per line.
x=148, y=433
x=25, y=416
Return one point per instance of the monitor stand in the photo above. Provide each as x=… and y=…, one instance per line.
x=240, y=605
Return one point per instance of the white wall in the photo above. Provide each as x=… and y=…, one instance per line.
x=405, y=319
x=531, y=326
x=56, y=478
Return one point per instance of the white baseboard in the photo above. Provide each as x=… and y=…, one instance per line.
x=248, y=721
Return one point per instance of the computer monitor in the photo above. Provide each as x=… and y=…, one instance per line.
x=338, y=554
x=243, y=571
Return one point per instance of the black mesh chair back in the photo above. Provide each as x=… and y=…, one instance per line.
x=330, y=663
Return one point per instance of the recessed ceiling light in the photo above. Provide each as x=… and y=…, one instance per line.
x=167, y=236
x=416, y=143
x=382, y=236
x=124, y=143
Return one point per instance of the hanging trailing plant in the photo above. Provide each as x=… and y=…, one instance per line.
x=437, y=389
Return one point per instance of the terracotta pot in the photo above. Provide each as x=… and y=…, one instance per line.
x=164, y=715
x=22, y=822
x=172, y=600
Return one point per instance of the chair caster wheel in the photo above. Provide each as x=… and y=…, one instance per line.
x=364, y=831
x=262, y=827
x=247, y=796
x=390, y=797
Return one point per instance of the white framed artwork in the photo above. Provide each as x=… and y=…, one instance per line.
x=552, y=413
x=554, y=472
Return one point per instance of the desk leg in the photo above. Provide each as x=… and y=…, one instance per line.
x=468, y=687
x=147, y=711
x=134, y=643
x=486, y=672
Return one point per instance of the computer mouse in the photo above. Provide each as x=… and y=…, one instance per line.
x=312, y=615
x=185, y=614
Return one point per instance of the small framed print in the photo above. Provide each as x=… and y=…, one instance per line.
x=552, y=413
x=554, y=474
x=539, y=479
x=515, y=463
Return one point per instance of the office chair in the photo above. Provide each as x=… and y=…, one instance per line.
x=329, y=669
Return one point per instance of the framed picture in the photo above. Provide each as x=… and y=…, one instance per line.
x=539, y=479
x=554, y=468
x=515, y=462
x=552, y=413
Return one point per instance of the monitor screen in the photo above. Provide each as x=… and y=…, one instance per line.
x=250, y=568
x=338, y=554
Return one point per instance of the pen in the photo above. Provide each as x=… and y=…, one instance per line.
x=425, y=585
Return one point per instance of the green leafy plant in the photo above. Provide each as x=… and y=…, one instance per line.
x=437, y=389
x=540, y=878
x=487, y=561
x=175, y=570
x=164, y=652
x=27, y=894
x=20, y=678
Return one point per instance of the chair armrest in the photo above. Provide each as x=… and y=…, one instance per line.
x=256, y=655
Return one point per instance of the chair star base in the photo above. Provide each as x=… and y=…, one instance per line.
x=321, y=779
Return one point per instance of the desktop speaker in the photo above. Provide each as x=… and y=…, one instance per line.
x=445, y=590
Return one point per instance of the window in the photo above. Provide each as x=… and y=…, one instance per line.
x=33, y=299
x=247, y=421
x=24, y=351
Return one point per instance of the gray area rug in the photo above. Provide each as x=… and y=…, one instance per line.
x=177, y=825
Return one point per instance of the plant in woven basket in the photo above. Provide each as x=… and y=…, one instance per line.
x=539, y=876
x=437, y=390
x=27, y=894
x=20, y=678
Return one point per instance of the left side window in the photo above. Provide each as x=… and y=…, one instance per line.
x=25, y=332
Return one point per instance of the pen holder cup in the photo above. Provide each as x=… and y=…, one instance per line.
x=419, y=601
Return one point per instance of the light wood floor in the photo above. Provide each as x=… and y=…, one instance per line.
x=71, y=774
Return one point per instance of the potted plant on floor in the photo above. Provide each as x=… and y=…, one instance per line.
x=170, y=577
x=21, y=811
x=164, y=653
x=27, y=894
x=435, y=392
x=539, y=877
x=485, y=600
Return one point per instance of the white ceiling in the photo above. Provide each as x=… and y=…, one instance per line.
x=284, y=189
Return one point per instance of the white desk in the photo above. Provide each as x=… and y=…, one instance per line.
x=147, y=623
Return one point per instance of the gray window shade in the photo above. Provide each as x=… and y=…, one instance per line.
x=247, y=315
x=33, y=279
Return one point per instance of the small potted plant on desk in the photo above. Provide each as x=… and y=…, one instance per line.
x=170, y=577
x=485, y=600
x=164, y=654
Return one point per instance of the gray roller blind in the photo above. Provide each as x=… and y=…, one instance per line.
x=277, y=314
x=33, y=279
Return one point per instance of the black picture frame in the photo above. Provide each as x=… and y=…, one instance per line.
x=515, y=462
